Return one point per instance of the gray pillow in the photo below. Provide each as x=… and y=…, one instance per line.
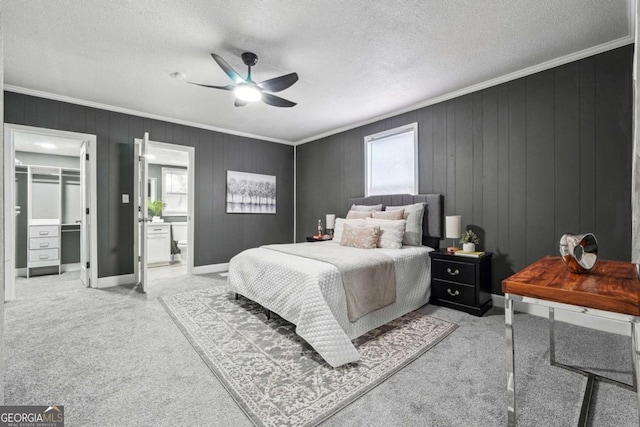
x=366, y=208
x=413, y=214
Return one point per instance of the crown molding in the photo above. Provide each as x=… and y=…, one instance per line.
x=62, y=98
x=614, y=44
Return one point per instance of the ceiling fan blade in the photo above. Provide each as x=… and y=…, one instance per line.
x=240, y=103
x=279, y=83
x=276, y=101
x=233, y=74
x=228, y=87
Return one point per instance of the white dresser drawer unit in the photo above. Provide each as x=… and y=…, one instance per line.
x=44, y=246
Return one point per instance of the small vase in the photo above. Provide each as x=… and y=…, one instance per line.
x=468, y=247
x=155, y=219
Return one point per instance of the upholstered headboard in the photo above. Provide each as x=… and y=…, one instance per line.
x=433, y=221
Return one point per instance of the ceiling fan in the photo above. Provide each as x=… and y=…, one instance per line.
x=245, y=89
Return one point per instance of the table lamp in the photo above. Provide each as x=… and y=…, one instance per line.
x=330, y=222
x=453, y=230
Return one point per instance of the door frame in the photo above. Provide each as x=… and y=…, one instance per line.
x=191, y=204
x=9, y=197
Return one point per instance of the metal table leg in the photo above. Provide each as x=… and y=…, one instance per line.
x=635, y=347
x=511, y=377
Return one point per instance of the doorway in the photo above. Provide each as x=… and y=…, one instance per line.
x=164, y=190
x=50, y=198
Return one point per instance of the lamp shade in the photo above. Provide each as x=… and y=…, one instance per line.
x=330, y=221
x=453, y=226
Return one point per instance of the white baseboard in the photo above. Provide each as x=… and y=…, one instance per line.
x=70, y=267
x=578, y=319
x=125, y=279
x=211, y=268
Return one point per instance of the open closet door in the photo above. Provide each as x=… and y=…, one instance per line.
x=85, y=200
x=141, y=193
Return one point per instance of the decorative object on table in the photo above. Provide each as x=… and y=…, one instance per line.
x=453, y=227
x=251, y=193
x=579, y=252
x=156, y=207
x=330, y=222
x=469, y=240
x=319, y=235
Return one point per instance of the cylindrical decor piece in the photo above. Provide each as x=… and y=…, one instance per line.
x=454, y=226
x=579, y=252
x=330, y=221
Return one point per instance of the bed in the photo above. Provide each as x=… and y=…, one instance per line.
x=310, y=293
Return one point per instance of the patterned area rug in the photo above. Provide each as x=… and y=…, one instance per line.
x=273, y=374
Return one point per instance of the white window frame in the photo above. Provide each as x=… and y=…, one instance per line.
x=167, y=211
x=371, y=139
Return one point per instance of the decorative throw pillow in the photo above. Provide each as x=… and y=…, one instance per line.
x=360, y=237
x=366, y=208
x=359, y=214
x=413, y=214
x=339, y=226
x=393, y=215
x=391, y=232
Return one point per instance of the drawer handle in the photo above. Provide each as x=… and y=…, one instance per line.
x=453, y=294
x=44, y=245
x=157, y=229
x=454, y=272
x=44, y=256
x=44, y=233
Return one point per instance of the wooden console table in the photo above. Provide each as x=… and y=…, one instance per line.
x=611, y=290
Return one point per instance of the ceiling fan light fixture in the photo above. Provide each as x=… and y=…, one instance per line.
x=248, y=93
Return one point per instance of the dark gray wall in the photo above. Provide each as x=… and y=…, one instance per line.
x=155, y=171
x=219, y=235
x=523, y=162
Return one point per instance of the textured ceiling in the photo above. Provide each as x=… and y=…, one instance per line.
x=357, y=60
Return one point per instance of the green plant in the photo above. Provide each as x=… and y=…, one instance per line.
x=470, y=237
x=156, y=206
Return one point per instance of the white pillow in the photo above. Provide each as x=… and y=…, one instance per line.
x=366, y=208
x=339, y=226
x=413, y=214
x=391, y=232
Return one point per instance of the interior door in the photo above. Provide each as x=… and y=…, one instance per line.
x=141, y=193
x=85, y=200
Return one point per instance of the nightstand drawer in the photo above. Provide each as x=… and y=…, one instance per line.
x=453, y=271
x=454, y=292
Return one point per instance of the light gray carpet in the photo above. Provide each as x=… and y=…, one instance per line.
x=274, y=375
x=114, y=357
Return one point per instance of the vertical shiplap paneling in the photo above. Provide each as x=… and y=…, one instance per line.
x=425, y=149
x=353, y=167
x=119, y=223
x=101, y=123
x=613, y=153
x=14, y=108
x=567, y=149
x=48, y=113
x=463, y=118
x=477, y=217
x=450, y=201
x=204, y=247
x=503, y=176
x=517, y=176
x=540, y=184
x=31, y=111
x=490, y=169
x=440, y=151
x=587, y=138
x=77, y=118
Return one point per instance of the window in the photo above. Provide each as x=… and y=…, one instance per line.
x=391, y=161
x=175, y=191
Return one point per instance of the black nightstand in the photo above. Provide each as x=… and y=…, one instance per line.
x=462, y=283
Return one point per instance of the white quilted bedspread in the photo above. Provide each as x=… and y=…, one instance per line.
x=310, y=294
